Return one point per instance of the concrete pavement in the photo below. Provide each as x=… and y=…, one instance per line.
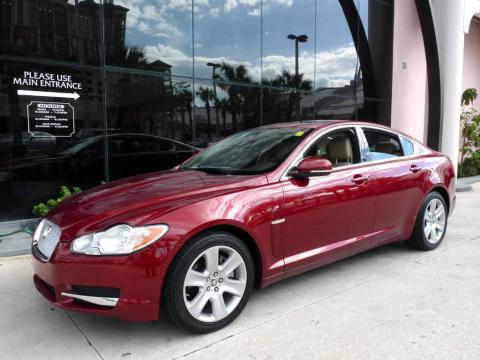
x=388, y=303
x=16, y=236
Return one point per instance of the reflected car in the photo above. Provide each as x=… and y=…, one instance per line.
x=35, y=140
x=89, y=132
x=82, y=161
x=258, y=207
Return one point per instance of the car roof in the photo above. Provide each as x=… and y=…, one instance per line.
x=310, y=124
x=319, y=124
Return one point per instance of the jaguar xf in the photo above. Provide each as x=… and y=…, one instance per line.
x=255, y=208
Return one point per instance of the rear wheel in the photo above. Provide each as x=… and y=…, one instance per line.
x=431, y=223
x=209, y=282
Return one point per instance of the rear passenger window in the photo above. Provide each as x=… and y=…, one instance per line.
x=382, y=145
x=407, y=145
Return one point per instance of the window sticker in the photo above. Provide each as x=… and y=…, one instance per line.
x=46, y=119
x=49, y=118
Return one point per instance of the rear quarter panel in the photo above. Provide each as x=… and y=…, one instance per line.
x=440, y=174
x=437, y=174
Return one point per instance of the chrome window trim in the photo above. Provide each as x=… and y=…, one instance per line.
x=360, y=139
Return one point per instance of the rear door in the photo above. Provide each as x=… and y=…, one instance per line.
x=399, y=182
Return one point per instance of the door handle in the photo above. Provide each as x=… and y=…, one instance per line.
x=359, y=179
x=415, y=168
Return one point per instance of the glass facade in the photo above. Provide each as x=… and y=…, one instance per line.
x=93, y=91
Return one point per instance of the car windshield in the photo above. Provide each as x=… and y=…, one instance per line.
x=253, y=151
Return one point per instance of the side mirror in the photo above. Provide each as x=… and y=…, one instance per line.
x=311, y=166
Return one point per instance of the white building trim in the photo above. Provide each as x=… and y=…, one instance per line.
x=449, y=19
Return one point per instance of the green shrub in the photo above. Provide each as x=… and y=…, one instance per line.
x=469, y=167
x=42, y=209
x=470, y=145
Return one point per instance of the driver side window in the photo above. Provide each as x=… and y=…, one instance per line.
x=339, y=147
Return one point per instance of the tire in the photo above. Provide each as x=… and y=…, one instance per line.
x=431, y=224
x=215, y=298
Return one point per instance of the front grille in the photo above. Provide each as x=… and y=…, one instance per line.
x=46, y=237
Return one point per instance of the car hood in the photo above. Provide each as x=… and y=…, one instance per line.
x=140, y=199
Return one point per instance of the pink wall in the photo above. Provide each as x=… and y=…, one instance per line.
x=409, y=86
x=471, y=59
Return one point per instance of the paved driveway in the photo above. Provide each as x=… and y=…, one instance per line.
x=389, y=303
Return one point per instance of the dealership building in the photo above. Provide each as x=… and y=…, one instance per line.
x=93, y=91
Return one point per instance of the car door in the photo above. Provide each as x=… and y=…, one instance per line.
x=329, y=217
x=399, y=183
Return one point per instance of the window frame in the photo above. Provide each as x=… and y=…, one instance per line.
x=362, y=141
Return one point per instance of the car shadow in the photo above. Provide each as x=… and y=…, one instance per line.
x=165, y=330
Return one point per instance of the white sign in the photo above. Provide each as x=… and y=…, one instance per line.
x=47, y=81
x=49, y=118
x=57, y=119
x=73, y=95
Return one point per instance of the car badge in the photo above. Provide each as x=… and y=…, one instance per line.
x=47, y=231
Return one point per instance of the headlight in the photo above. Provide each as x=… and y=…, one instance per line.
x=118, y=240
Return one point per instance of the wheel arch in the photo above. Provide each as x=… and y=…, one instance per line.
x=434, y=188
x=444, y=193
x=240, y=233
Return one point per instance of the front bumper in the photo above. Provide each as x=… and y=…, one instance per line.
x=124, y=287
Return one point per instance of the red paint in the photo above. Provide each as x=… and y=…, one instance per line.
x=326, y=218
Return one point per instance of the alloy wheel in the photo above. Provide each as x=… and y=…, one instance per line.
x=215, y=284
x=434, y=221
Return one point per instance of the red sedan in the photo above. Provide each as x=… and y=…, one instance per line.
x=255, y=208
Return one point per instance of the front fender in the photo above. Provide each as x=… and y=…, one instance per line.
x=251, y=212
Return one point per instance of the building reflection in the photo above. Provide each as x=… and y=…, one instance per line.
x=141, y=75
x=58, y=29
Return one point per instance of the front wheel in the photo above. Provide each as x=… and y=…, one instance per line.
x=209, y=282
x=431, y=223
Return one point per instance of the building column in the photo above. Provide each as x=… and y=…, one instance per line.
x=409, y=74
x=449, y=18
